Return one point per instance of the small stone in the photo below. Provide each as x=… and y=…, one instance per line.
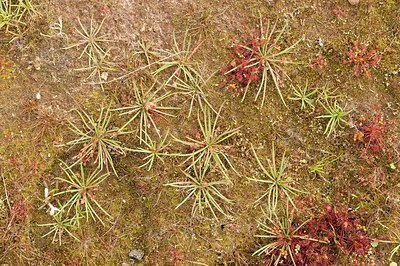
x=354, y=2
x=136, y=254
x=38, y=96
x=37, y=62
x=104, y=75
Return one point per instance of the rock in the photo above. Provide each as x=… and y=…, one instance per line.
x=354, y=2
x=136, y=254
x=38, y=96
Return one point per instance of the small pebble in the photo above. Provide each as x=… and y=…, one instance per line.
x=38, y=96
x=136, y=254
x=354, y=2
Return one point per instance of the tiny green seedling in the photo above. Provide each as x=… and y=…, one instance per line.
x=304, y=96
x=336, y=115
x=319, y=166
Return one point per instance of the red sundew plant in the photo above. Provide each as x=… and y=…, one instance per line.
x=6, y=67
x=340, y=12
x=318, y=61
x=377, y=135
x=20, y=210
x=317, y=241
x=258, y=57
x=362, y=59
x=343, y=230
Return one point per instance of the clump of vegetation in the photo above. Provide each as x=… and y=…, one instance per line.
x=20, y=210
x=340, y=12
x=279, y=184
x=81, y=191
x=59, y=227
x=153, y=150
x=179, y=59
x=97, y=137
x=335, y=114
x=208, y=146
x=319, y=166
x=91, y=41
x=394, y=239
x=205, y=192
x=194, y=87
x=305, y=96
x=343, y=230
x=319, y=62
x=317, y=241
x=47, y=121
x=6, y=67
x=260, y=56
x=13, y=15
x=377, y=135
x=146, y=106
x=361, y=58
x=283, y=237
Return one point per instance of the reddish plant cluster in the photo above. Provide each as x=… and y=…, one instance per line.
x=196, y=135
x=339, y=12
x=318, y=61
x=20, y=210
x=242, y=69
x=6, y=67
x=153, y=116
x=320, y=241
x=342, y=229
x=361, y=59
x=376, y=134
